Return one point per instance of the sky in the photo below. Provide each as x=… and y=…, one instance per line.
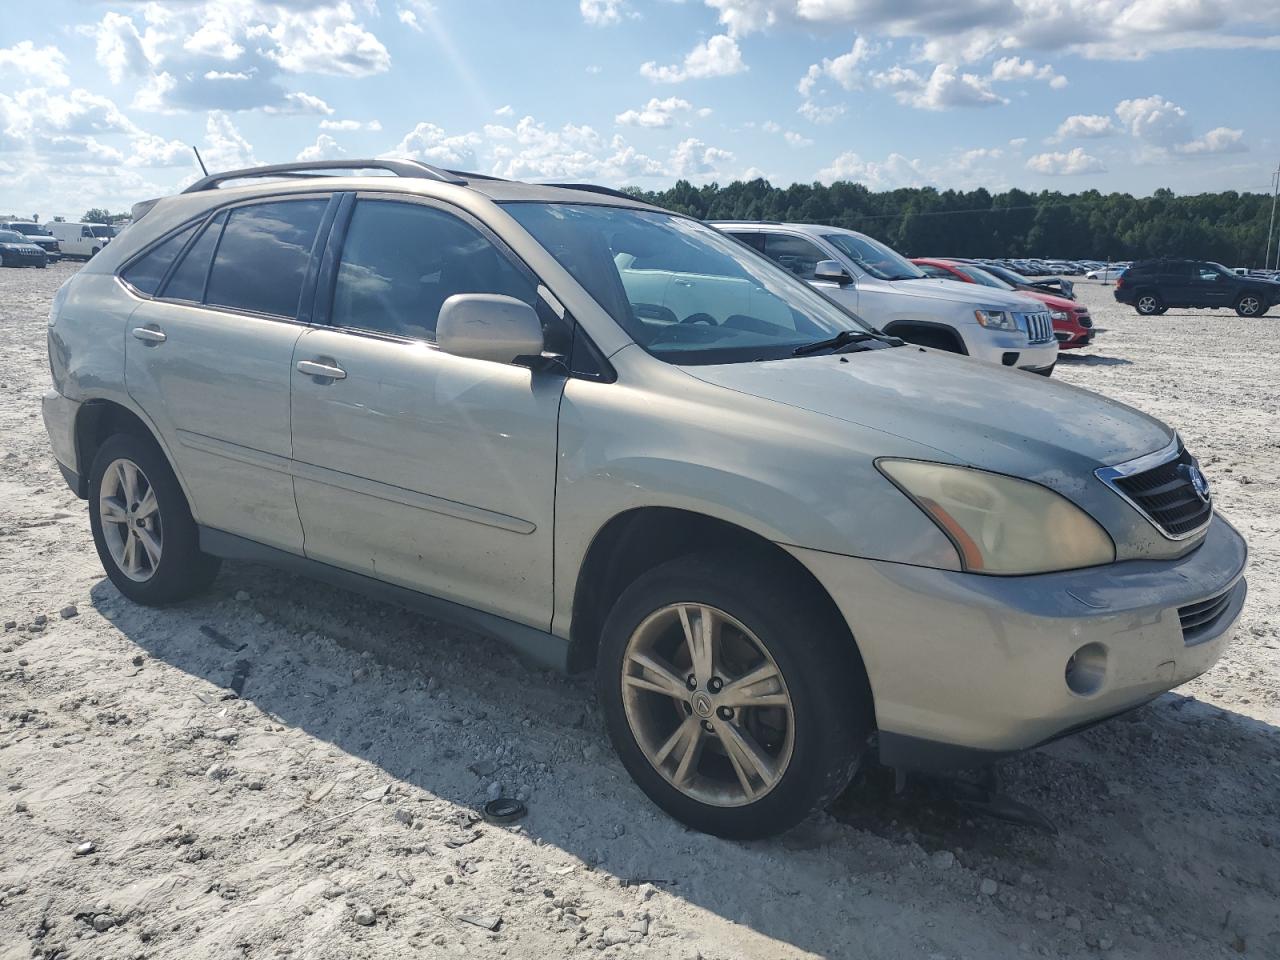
x=101, y=100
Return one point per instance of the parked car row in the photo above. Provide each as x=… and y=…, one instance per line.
x=787, y=542
x=58, y=239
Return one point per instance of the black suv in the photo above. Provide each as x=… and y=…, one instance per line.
x=1153, y=286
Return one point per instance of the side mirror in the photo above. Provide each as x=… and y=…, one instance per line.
x=487, y=326
x=831, y=272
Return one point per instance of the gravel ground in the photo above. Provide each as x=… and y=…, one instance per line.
x=146, y=810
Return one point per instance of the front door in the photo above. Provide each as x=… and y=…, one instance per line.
x=423, y=469
x=209, y=359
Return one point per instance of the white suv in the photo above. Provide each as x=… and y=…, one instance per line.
x=787, y=542
x=893, y=294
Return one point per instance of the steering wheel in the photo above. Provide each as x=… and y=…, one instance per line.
x=700, y=318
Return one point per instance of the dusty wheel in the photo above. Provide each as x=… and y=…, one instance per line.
x=733, y=698
x=1150, y=305
x=1250, y=305
x=141, y=524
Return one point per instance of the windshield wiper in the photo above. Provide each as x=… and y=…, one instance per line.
x=844, y=338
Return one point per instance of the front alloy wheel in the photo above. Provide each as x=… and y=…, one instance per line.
x=1249, y=306
x=733, y=693
x=707, y=705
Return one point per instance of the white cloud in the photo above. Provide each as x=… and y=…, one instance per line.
x=844, y=69
x=147, y=150
x=1086, y=126
x=820, y=113
x=323, y=40
x=224, y=146
x=1154, y=119
x=408, y=12
x=717, y=57
x=46, y=66
x=1074, y=161
x=505, y=111
x=1217, y=140
x=601, y=13
x=300, y=103
x=693, y=159
x=529, y=149
x=325, y=148
x=1018, y=143
x=895, y=171
x=796, y=140
x=350, y=125
x=655, y=113
x=1014, y=68
x=945, y=88
x=120, y=47
x=431, y=143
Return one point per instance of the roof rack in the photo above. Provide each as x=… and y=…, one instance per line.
x=595, y=188
x=312, y=168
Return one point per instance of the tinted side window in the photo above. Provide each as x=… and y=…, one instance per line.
x=931, y=270
x=402, y=261
x=753, y=240
x=145, y=273
x=793, y=253
x=263, y=256
x=188, y=281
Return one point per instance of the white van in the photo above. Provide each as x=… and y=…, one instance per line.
x=81, y=239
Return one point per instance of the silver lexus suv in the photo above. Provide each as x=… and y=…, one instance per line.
x=787, y=541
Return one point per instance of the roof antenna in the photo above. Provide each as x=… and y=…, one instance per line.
x=203, y=168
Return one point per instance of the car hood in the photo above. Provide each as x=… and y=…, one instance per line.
x=957, y=291
x=978, y=414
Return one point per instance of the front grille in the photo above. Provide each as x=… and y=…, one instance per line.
x=1039, y=327
x=1199, y=619
x=1166, y=492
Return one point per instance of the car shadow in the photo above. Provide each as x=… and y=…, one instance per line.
x=1092, y=360
x=426, y=702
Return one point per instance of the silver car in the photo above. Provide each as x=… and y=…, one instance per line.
x=787, y=542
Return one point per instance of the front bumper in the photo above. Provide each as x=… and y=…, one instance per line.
x=1009, y=349
x=974, y=666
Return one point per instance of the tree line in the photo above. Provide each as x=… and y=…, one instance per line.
x=1228, y=227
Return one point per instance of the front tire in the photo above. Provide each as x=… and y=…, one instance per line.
x=1250, y=305
x=142, y=526
x=733, y=694
x=1149, y=305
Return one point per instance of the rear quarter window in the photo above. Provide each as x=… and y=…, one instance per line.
x=146, y=272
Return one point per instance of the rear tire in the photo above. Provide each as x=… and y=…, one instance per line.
x=1149, y=304
x=803, y=740
x=142, y=526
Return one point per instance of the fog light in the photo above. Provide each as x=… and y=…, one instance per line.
x=1086, y=669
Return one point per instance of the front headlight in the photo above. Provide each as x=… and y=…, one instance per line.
x=996, y=319
x=1002, y=525
x=1058, y=316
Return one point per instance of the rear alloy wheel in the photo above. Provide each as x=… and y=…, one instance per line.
x=1249, y=305
x=142, y=527
x=1149, y=305
x=732, y=696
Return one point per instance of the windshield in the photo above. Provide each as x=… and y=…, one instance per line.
x=683, y=291
x=11, y=236
x=874, y=257
x=980, y=275
x=1009, y=277
x=30, y=229
x=103, y=231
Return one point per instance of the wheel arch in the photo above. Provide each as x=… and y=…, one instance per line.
x=100, y=418
x=925, y=333
x=638, y=540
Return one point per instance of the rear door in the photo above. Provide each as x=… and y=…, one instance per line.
x=209, y=358
x=420, y=468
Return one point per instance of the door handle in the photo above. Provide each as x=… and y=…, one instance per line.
x=327, y=371
x=149, y=335
x=684, y=283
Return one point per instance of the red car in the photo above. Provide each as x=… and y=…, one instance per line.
x=1072, y=324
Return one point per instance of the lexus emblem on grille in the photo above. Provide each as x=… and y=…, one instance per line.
x=1198, y=482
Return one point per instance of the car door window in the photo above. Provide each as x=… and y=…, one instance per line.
x=402, y=261
x=262, y=258
x=938, y=273
x=145, y=273
x=795, y=254
x=753, y=240
x=188, y=281
x=1208, y=273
